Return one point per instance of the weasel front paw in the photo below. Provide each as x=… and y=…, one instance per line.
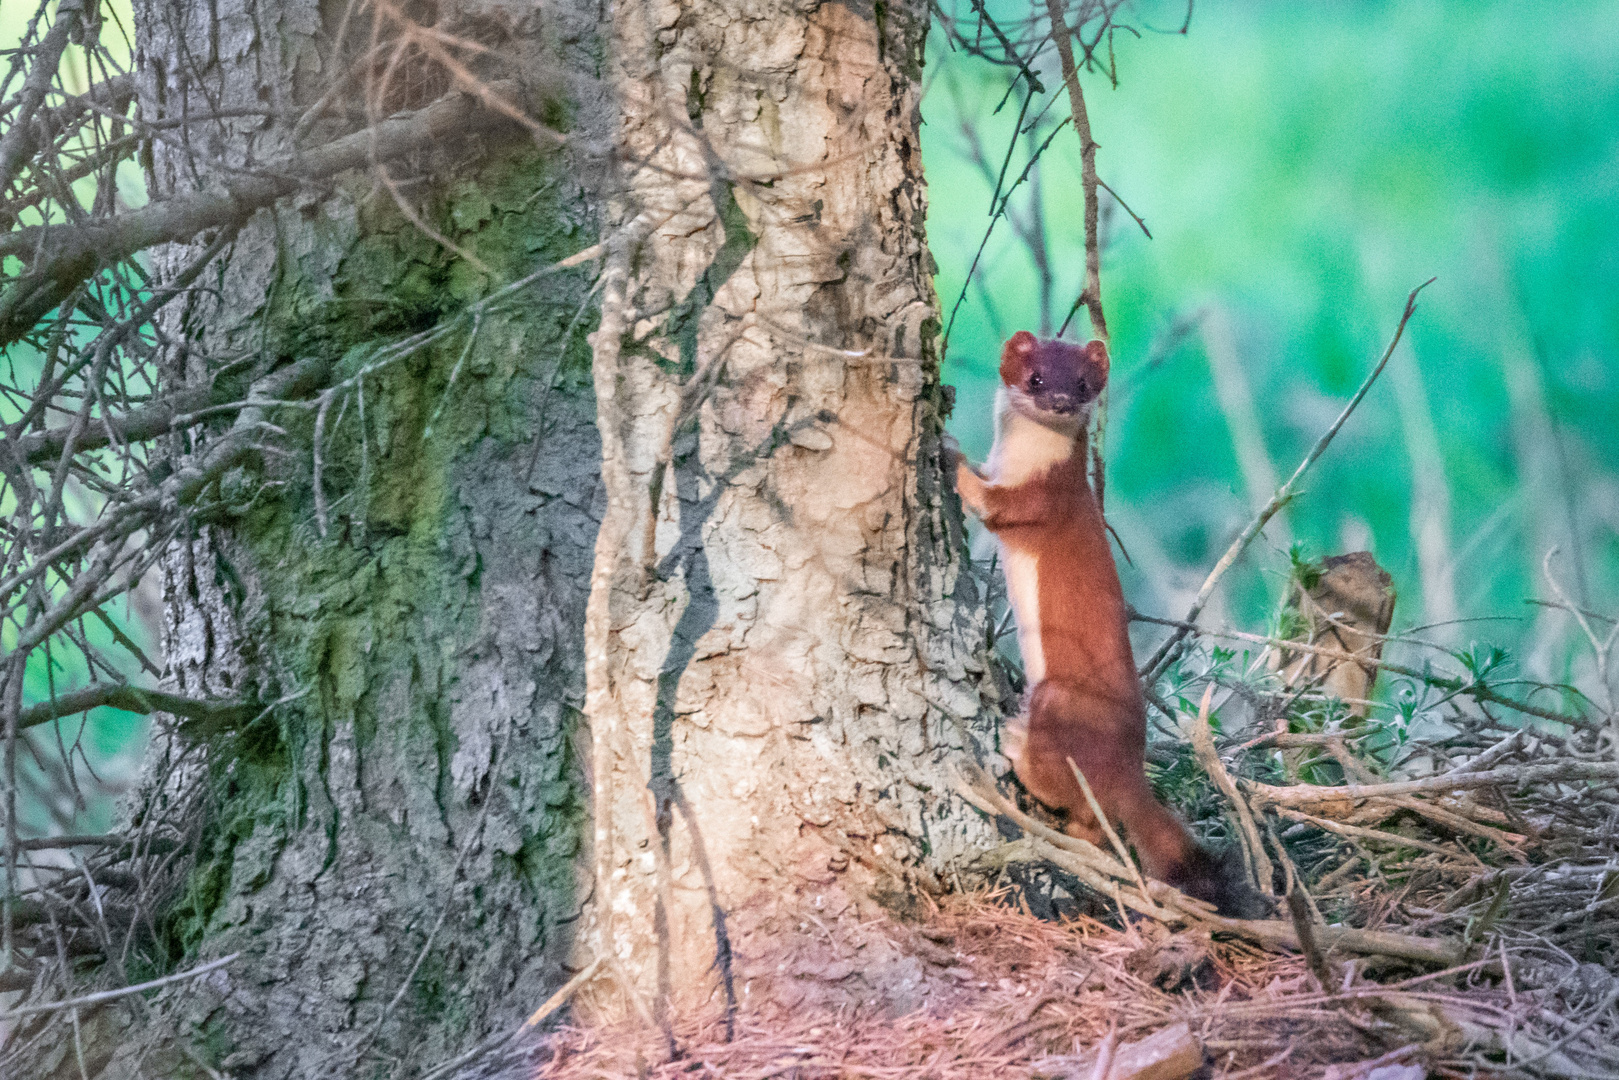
x=971, y=487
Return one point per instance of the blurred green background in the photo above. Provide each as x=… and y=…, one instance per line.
x=70, y=774
x=1302, y=167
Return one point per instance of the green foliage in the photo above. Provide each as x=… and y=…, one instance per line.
x=1302, y=166
x=1305, y=572
x=1481, y=660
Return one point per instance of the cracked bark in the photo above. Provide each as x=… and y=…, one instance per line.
x=782, y=637
x=773, y=630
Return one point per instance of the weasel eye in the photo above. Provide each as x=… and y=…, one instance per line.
x=1036, y=382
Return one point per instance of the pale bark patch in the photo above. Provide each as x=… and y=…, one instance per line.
x=781, y=665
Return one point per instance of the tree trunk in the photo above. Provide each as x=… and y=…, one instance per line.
x=394, y=847
x=781, y=642
x=784, y=646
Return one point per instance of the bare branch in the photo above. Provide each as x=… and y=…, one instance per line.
x=1557, y=772
x=187, y=482
x=113, y=995
x=1091, y=296
x=62, y=256
x=155, y=418
x=52, y=843
x=17, y=141
x=136, y=700
x=1166, y=652
x=1471, y=688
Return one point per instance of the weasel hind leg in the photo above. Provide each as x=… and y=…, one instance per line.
x=1078, y=820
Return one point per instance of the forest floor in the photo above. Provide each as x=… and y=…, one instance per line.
x=1034, y=997
x=1045, y=998
x=1444, y=907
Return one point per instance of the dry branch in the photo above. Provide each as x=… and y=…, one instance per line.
x=17, y=141
x=136, y=700
x=113, y=995
x=1202, y=739
x=47, y=843
x=61, y=256
x=173, y=411
x=1091, y=297
x=1169, y=649
x=1108, y=877
x=1473, y=688
x=187, y=483
x=1321, y=796
x=1392, y=839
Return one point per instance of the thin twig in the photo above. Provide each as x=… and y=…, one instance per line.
x=1107, y=828
x=1472, y=688
x=1091, y=296
x=1164, y=654
x=1104, y=1054
x=1202, y=739
x=113, y=995
x=558, y=999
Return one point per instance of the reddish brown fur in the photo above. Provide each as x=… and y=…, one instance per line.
x=1088, y=707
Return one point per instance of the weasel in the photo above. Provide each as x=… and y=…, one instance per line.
x=1084, y=700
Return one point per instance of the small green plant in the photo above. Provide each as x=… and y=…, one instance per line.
x=1481, y=660
x=1302, y=570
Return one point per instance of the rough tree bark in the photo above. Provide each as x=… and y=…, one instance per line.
x=774, y=626
x=395, y=848
x=783, y=644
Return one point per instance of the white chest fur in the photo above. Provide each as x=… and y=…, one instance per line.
x=1024, y=446
x=1022, y=572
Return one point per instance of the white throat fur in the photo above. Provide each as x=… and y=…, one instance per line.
x=1026, y=446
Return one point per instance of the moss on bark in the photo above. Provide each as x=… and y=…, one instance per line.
x=420, y=664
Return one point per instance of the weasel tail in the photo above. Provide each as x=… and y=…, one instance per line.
x=1084, y=701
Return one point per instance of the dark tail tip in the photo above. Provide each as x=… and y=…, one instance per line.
x=1221, y=881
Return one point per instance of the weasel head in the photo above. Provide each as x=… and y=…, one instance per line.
x=1053, y=382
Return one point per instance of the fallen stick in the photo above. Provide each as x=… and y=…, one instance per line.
x=1509, y=776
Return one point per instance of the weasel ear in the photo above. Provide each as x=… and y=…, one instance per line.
x=1022, y=342
x=1015, y=355
x=1096, y=353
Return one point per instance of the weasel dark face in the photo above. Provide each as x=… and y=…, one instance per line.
x=1052, y=379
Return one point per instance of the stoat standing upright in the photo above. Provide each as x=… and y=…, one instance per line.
x=1084, y=701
